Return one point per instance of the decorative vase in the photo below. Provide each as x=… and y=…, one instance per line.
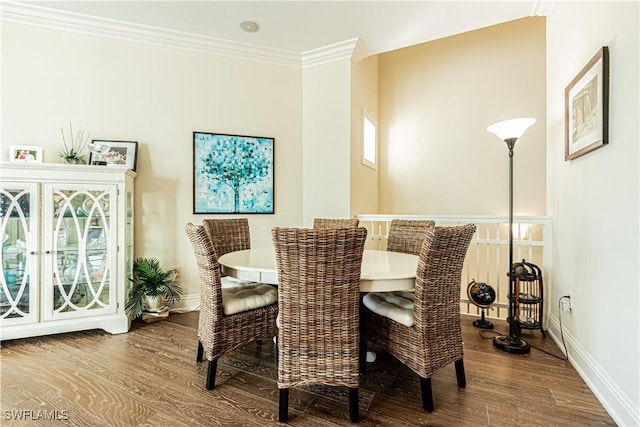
x=154, y=305
x=75, y=161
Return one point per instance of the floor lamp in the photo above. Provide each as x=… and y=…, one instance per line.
x=510, y=131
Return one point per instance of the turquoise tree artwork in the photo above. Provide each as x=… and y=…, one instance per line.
x=232, y=174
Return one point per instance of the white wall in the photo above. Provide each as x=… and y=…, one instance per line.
x=435, y=102
x=326, y=112
x=157, y=96
x=594, y=202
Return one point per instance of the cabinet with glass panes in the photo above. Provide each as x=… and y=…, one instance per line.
x=67, y=248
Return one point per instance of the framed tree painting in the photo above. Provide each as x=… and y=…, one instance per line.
x=232, y=174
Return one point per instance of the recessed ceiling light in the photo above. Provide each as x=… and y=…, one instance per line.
x=250, y=26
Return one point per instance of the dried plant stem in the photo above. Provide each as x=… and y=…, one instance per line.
x=64, y=141
x=74, y=146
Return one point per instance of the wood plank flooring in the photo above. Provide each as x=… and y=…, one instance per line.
x=149, y=377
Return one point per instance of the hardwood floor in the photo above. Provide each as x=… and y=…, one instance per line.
x=149, y=377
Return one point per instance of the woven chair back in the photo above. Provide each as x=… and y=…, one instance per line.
x=406, y=235
x=323, y=223
x=228, y=235
x=318, y=298
x=211, y=308
x=437, y=289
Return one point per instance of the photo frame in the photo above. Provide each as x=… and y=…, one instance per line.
x=586, y=104
x=233, y=174
x=25, y=153
x=116, y=153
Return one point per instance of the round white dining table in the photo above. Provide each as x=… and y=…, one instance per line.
x=382, y=271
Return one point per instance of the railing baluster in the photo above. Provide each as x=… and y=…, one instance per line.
x=497, y=270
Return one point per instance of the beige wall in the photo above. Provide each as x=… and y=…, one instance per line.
x=435, y=103
x=364, y=97
x=595, y=204
x=157, y=96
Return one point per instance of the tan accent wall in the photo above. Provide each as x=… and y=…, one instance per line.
x=364, y=97
x=435, y=102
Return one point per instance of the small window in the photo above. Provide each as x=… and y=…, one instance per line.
x=369, y=141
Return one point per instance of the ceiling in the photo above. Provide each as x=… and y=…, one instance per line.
x=302, y=26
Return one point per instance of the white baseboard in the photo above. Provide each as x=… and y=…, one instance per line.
x=186, y=304
x=623, y=410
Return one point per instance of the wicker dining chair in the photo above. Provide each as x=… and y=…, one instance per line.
x=430, y=337
x=318, y=296
x=228, y=235
x=324, y=223
x=227, y=323
x=407, y=235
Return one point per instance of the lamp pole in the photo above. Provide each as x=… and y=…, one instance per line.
x=509, y=131
x=511, y=143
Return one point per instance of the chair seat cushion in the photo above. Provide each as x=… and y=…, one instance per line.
x=232, y=282
x=246, y=297
x=396, y=306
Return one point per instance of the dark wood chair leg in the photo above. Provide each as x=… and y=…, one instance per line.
x=363, y=342
x=200, y=352
x=259, y=342
x=211, y=374
x=354, y=413
x=427, y=395
x=363, y=356
x=462, y=380
x=283, y=409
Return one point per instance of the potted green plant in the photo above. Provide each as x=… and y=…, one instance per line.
x=151, y=288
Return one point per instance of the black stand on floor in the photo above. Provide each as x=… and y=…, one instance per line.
x=482, y=295
x=482, y=322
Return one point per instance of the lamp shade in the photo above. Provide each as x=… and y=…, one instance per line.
x=512, y=128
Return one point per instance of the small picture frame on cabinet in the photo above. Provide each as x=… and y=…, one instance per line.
x=25, y=153
x=114, y=153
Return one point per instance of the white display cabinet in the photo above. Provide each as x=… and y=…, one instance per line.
x=67, y=248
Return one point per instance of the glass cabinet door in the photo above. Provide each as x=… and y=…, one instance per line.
x=19, y=262
x=80, y=262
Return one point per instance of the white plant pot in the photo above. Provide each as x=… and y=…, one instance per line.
x=155, y=305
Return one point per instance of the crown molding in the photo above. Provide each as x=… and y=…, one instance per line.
x=542, y=7
x=359, y=52
x=348, y=49
x=27, y=14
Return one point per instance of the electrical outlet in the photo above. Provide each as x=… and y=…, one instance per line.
x=178, y=275
x=566, y=303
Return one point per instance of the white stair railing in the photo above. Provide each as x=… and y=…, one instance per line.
x=488, y=255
